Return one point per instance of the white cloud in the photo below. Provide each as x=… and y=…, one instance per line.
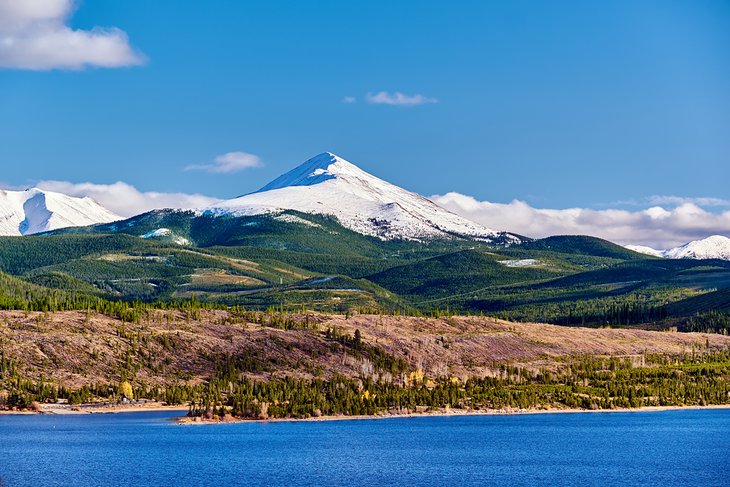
x=656, y=226
x=34, y=35
x=228, y=163
x=14, y=187
x=398, y=98
x=349, y=100
x=126, y=200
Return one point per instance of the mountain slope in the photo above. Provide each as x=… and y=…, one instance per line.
x=329, y=185
x=717, y=301
x=584, y=245
x=35, y=211
x=714, y=247
x=642, y=249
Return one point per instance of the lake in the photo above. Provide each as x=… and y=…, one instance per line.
x=680, y=448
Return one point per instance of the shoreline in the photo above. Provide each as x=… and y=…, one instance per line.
x=84, y=409
x=185, y=420
x=64, y=410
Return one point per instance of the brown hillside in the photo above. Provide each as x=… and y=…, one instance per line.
x=74, y=348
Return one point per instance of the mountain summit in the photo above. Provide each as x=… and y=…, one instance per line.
x=328, y=184
x=35, y=211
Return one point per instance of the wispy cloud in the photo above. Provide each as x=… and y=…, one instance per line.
x=656, y=226
x=34, y=35
x=228, y=163
x=349, y=100
x=681, y=200
x=398, y=99
x=672, y=201
x=126, y=200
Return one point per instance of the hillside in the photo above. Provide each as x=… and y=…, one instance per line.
x=718, y=301
x=295, y=259
x=578, y=244
x=247, y=252
x=77, y=348
x=237, y=360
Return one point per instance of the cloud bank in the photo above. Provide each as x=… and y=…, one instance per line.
x=228, y=163
x=656, y=226
x=126, y=200
x=34, y=35
x=398, y=99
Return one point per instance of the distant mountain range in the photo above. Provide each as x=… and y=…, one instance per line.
x=328, y=236
x=325, y=185
x=714, y=247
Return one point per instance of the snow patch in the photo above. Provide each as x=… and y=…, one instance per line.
x=167, y=234
x=284, y=217
x=520, y=263
x=160, y=232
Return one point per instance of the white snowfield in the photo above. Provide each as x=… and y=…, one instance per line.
x=35, y=211
x=329, y=185
x=714, y=247
x=642, y=249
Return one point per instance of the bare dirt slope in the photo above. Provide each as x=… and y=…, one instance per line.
x=76, y=348
x=478, y=344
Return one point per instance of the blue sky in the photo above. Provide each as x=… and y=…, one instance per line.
x=559, y=104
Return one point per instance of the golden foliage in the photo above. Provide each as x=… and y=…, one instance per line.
x=125, y=389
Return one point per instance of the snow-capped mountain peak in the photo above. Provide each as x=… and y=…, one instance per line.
x=35, y=210
x=713, y=247
x=330, y=185
x=316, y=170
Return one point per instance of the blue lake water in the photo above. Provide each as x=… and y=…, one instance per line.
x=681, y=448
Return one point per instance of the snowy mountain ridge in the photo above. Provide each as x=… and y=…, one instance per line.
x=35, y=211
x=713, y=247
x=328, y=184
